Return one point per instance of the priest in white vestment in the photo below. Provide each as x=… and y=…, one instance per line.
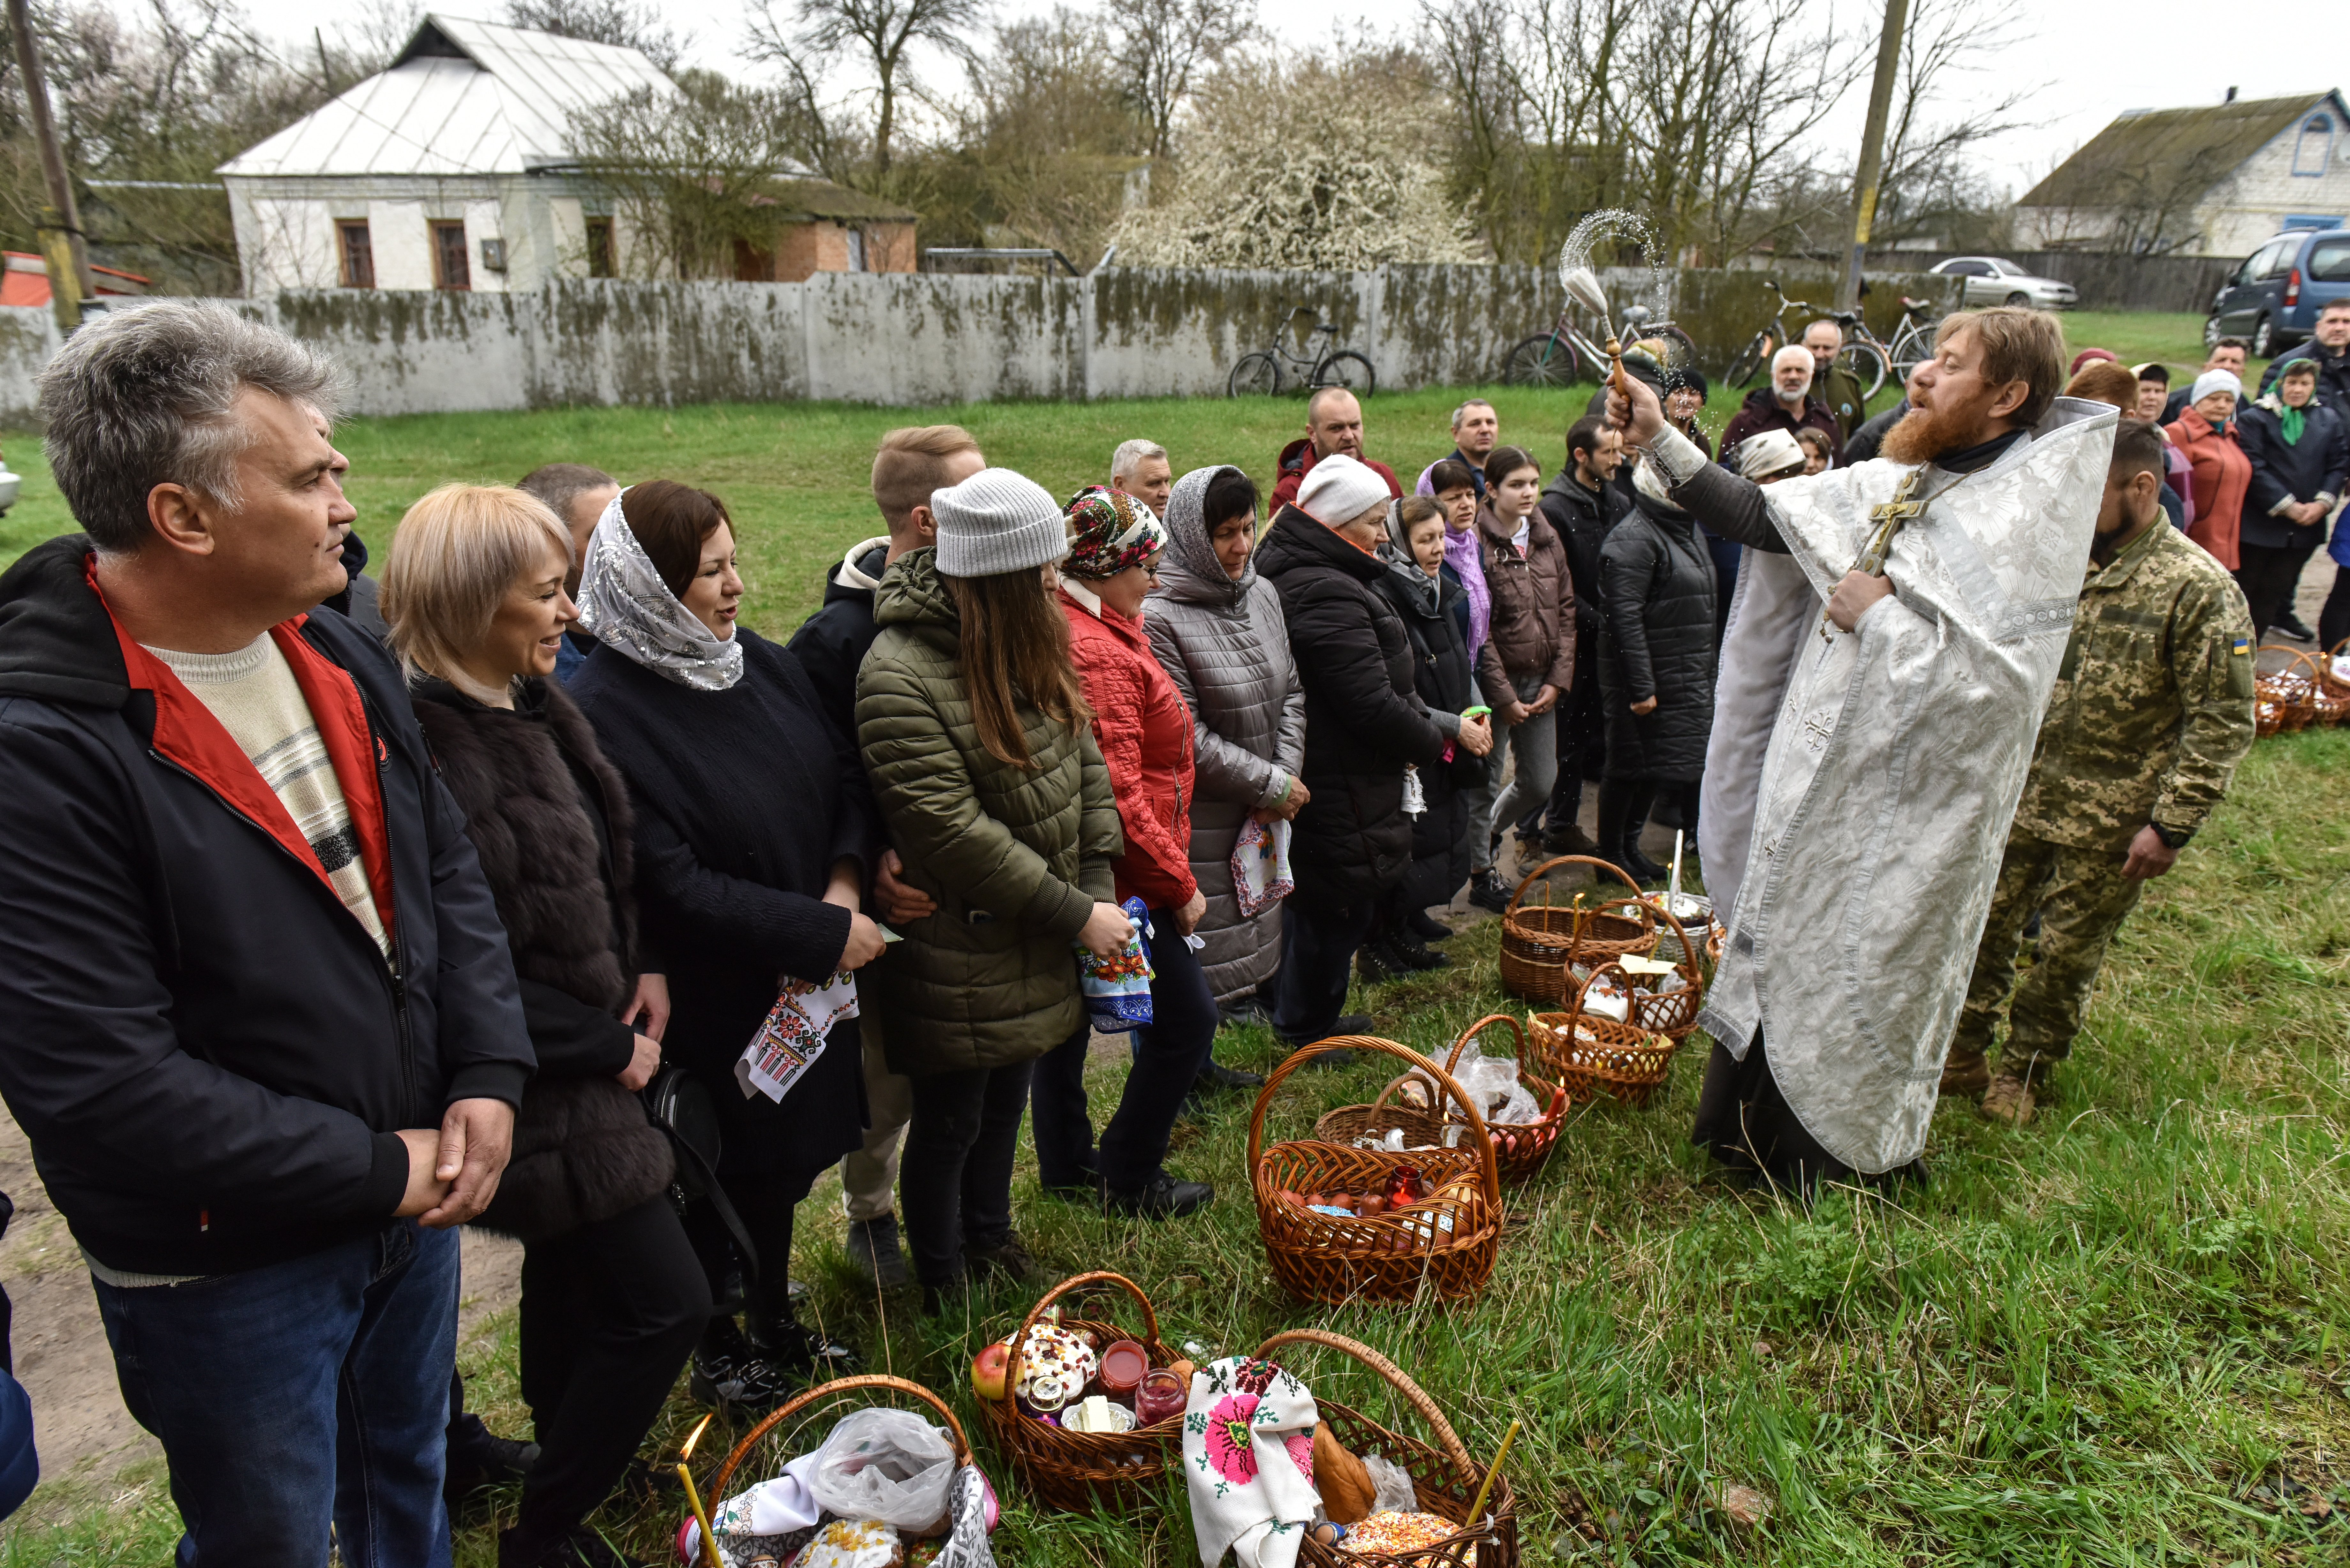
x=1881, y=690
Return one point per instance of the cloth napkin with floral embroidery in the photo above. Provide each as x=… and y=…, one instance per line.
x=1248, y=1457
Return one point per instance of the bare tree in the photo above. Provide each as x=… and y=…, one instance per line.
x=689, y=172
x=1163, y=44
x=1947, y=103
x=1046, y=135
x=620, y=22
x=880, y=32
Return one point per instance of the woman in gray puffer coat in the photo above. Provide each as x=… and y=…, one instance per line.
x=1217, y=627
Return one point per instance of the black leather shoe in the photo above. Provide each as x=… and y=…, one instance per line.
x=479, y=1458
x=1008, y=1259
x=1407, y=950
x=1375, y=966
x=1487, y=891
x=1216, y=1078
x=1242, y=1013
x=1642, y=869
x=873, y=1248
x=1166, y=1197
x=1426, y=927
x=2293, y=627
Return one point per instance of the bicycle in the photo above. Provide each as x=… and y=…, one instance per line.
x=1258, y=375
x=1914, y=344
x=1560, y=357
x=1863, y=353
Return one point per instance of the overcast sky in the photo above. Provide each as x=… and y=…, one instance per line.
x=2086, y=61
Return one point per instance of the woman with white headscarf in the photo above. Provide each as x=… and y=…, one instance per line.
x=753, y=831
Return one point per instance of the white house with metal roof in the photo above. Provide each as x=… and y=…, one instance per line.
x=449, y=170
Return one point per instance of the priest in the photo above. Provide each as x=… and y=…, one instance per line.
x=1874, y=736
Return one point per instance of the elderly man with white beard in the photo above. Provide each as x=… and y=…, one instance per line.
x=1883, y=679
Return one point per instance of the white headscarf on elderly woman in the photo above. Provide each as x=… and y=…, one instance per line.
x=624, y=605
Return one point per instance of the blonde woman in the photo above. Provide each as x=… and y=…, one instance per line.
x=613, y=1298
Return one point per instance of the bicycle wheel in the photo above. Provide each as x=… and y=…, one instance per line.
x=1348, y=369
x=1256, y=376
x=1679, y=351
x=1913, y=349
x=1547, y=360
x=1750, y=361
x=1867, y=362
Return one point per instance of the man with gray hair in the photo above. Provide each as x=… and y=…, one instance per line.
x=1476, y=431
x=263, y=1032
x=1140, y=469
x=1789, y=403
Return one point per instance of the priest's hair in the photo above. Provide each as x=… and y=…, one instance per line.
x=2017, y=345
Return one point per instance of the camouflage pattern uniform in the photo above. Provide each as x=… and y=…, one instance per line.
x=2151, y=713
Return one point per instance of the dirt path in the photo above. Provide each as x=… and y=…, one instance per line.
x=84, y=1434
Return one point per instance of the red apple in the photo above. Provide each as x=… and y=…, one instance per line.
x=988, y=1370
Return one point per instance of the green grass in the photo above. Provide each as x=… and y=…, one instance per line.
x=2109, y=1339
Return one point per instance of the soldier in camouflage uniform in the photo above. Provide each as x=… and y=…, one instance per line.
x=2151, y=713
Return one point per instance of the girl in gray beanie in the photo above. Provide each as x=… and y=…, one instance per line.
x=975, y=734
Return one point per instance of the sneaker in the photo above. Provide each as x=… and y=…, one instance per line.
x=1405, y=949
x=1216, y=1078
x=1967, y=1072
x=873, y=1248
x=801, y=1353
x=1008, y=1261
x=1569, y=840
x=2009, y=1100
x=1375, y=966
x=2293, y=627
x=729, y=1371
x=1164, y=1198
x=1486, y=891
x=1426, y=927
x=583, y=1548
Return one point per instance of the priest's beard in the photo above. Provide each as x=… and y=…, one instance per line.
x=1921, y=435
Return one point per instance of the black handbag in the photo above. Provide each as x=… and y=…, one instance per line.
x=680, y=1105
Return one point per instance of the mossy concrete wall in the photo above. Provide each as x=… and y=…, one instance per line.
x=929, y=338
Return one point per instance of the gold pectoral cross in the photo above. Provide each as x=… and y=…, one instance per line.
x=1890, y=516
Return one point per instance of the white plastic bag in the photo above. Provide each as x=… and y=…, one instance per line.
x=890, y=1465
x=1492, y=1082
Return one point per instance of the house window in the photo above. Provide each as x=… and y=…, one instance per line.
x=2315, y=146
x=357, y=255
x=449, y=267
x=599, y=247
x=857, y=250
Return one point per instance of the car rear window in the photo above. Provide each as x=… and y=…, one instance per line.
x=2329, y=261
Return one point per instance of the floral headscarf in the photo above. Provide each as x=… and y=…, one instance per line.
x=1109, y=531
x=624, y=604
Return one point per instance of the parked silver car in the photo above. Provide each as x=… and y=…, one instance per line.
x=1990, y=281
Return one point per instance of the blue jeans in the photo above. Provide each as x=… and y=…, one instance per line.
x=299, y=1395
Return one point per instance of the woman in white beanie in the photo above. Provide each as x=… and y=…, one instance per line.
x=975, y=735
x=2205, y=431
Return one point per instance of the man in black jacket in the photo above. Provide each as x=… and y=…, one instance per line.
x=1582, y=504
x=1365, y=722
x=263, y=1027
x=913, y=462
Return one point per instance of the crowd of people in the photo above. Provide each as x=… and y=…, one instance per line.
x=345, y=907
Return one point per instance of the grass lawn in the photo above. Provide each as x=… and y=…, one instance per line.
x=2114, y=1337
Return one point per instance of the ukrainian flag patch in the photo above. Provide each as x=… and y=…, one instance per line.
x=2243, y=647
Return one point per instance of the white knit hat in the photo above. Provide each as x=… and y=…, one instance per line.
x=2211, y=381
x=1340, y=490
x=997, y=522
x=1767, y=453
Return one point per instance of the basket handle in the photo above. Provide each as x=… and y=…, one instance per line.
x=793, y=1406
x=1687, y=965
x=1575, y=1011
x=1404, y=1053
x=1535, y=875
x=1399, y=1380
x=1453, y=1061
x=1075, y=1281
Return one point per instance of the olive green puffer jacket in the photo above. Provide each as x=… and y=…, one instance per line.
x=1016, y=858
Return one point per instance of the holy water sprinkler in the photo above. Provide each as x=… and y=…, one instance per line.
x=1582, y=285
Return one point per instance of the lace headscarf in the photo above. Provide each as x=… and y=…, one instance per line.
x=624, y=604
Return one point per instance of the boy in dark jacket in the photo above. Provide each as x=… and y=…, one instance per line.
x=1364, y=722
x=263, y=1031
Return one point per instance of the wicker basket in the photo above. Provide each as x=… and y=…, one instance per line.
x=2333, y=701
x=2289, y=687
x=1077, y=1471
x=1539, y=944
x=722, y=1484
x=1444, y=1475
x=1672, y=1013
x=1593, y=1056
x=1443, y=1247
x=1520, y=1148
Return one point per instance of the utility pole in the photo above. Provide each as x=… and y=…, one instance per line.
x=1872, y=146
x=60, y=223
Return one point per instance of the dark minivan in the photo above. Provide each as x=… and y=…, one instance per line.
x=2272, y=300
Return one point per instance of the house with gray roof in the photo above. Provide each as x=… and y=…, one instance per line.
x=2214, y=180
x=451, y=168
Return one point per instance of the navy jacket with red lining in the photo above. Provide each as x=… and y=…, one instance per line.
x=208, y=1053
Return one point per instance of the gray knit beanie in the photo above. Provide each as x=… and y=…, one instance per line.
x=997, y=522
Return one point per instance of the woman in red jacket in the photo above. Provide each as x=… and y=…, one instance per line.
x=1144, y=729
x=2205, y=431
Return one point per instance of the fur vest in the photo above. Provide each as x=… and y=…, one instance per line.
x=583, y=1147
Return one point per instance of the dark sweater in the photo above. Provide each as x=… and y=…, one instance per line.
x=745, y=799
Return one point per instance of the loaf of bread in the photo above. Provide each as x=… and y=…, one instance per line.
x=1344, y=1485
